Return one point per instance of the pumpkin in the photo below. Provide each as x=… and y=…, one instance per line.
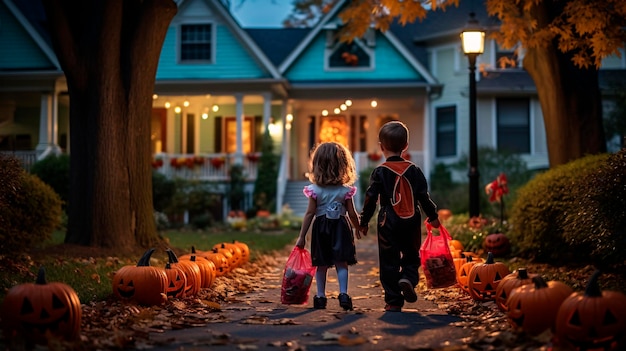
x=235, y=258
x=458, y=262
x=444, y=214
x=33, y=312
x=593, y=320
x=192, y=273
x=533, y=307
x=456, y=245
x=206, y=266
x=516, y=279
x=220, y=260
x=245, y=250
x=143, y=284
x=462, y=275
x=484, y=278
x=497, y=243
x=176, y=281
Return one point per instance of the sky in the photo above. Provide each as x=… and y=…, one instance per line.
x=261, y=13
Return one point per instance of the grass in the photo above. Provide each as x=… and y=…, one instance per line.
x=90, y=273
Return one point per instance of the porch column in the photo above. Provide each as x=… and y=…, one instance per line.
x=48, y=127
x=426, y=137
x=267, y=110
x=239, y=116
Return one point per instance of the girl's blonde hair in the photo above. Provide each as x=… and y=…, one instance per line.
x=332, y=164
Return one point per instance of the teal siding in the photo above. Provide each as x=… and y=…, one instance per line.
x=18, y=50
x=388, y=64
x=232, y=61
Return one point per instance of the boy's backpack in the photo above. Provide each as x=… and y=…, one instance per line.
x=402, y=197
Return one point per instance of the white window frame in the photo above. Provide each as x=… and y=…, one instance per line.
x=179, y=43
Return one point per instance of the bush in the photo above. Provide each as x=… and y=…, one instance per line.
x=32, y=213
x=596, y=229
x=163, y=190
x=265, y=185
x=196, y=198
x=55, y=171
x=10, y=172
x=539, y=214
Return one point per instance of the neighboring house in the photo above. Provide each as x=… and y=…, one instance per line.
x=219, y=87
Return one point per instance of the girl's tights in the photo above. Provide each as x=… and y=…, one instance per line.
x=342, y=277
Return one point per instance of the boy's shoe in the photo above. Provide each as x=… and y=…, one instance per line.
x=345, y=301
x=407, y=290
x=319, y=302
x=392, y=308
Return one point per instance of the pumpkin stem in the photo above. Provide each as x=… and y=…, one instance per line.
x=193, y=249
x=172, y=256
x=145, y=258
x=469, y=259
x=522, y=273
x=41, y=276
x=540, y=283
x=490, y=258
x=593, y=289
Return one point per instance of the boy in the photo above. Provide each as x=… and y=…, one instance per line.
x=399, y=235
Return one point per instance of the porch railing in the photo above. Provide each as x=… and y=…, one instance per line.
x=27, y=158
x=213, y=167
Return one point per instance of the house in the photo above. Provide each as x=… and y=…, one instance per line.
x=219, y=87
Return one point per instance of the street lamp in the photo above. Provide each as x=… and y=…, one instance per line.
x=473, y=41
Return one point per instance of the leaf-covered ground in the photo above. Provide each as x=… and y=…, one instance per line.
x=112, y=325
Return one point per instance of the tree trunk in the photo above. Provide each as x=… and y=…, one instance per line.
x=109, y=51
x=570, y=99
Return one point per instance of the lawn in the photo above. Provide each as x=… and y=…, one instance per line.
x=89, y=273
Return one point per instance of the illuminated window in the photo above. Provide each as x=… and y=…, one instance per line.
x=247, y=135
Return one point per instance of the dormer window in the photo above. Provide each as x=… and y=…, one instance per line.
x=507, y=58
x=196, y=43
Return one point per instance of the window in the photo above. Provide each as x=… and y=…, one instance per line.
x=349, y=55
x=196, y=43
x=513, y=118
x=506, y=58
x=446, y=131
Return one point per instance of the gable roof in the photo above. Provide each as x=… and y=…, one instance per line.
x=326, y=20
x=30, y=14
x=277, y=43
x=240, y=34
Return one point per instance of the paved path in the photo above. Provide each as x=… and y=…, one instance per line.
x=258, y=321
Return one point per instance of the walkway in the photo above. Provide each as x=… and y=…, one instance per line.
x=258, y=321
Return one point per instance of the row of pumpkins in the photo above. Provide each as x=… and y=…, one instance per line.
x=34, y=312
x=589, y=320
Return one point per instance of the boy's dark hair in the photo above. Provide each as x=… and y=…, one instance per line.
x=394, y=136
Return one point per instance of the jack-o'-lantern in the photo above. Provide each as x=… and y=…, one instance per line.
x=533, y=307
x=456, y=245
x=235, y=258
x=207, y=267
x=593, y=320
x=498, y=244
x=219, y=259
x=516, y=279
x=462, y=275
x=176, y=281
x=192, y=273
x=484, y=278
x=245, y=250
x=34, y=312
x=143, y=284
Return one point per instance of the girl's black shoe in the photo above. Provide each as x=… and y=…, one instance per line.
x=345, y=301
x=319, y=302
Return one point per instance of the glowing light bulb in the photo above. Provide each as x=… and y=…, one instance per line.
x=374, y=103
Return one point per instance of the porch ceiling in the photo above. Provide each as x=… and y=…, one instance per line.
x=221, y=87
x=356, y=90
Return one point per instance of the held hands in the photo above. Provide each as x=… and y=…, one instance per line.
x=362, y=231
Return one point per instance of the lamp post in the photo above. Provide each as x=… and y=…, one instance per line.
x=473, y=42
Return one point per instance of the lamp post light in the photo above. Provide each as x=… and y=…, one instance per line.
x=473, y=42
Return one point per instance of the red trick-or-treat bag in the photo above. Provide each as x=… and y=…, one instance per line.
x=297, y=277
x=436, y=259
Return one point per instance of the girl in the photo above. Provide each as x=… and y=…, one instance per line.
x=330, y=196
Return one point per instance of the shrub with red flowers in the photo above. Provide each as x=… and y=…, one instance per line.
x=217, y=162
x=374, y=156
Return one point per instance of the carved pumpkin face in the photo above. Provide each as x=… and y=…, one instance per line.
x=33, y=310
x=245, y=251
x=593, y=320
x=498, y=244
x=176, y=281
x=484, y=278
x=533, y=307
x=191, y=272
x=142, y=283
x=516, y=279
x=232, y=253
x=221, y=262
